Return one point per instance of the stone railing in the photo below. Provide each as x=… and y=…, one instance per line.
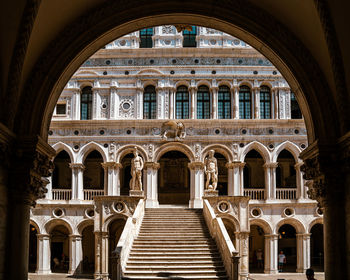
x=286, y=193
x=257, y=194
x=90, y=194
x=61, y=194
x=219, y=233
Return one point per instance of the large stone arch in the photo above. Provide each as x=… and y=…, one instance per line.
x=230, y=218
x=255, y=145
x=289, y=146
x=50, y=224
x=318, y=220
x=265, y=225
x=59, y=147
x=222, y=149
x=109, y=220
x=298, y=225
x=173, y=146
x=239, y=18
x=124, y=150
x=36, y=225
x=86, y=149
x=83, y=224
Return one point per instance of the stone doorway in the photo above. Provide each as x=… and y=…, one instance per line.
x=174, y=179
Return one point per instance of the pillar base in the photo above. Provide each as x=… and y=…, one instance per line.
x=152, y=203
x=196, y=203
x=211, y=193
x=43, y=272
x=136, y=193
x=270, y=271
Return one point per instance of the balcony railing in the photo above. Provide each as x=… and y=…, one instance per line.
x=258, y=194
x=286, y=193
x=90, y=194
x=61, y=194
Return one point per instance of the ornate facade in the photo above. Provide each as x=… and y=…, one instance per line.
x=176, y=96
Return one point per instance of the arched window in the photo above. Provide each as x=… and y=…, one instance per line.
x=224, y=102
x=295, y=109
x=182, y=103
x=189, y=37
x=203, y=103
x=150, y=103
x=265, y=102
x=146, y=38
x=245, y=103
x=86, y=104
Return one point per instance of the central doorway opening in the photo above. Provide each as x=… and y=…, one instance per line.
x=174, y=179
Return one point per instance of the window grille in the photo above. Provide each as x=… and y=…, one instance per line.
x=189, y=38
x=146, y=38
x=265, y=102
x=245, y=103
x=60, y=109
x=182, y=103
x=149, y=103
x=86, y=104
x=224, y=102
x=203, y=103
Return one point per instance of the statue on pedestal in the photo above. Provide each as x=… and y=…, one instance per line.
x=136, y=172
x=211, y=171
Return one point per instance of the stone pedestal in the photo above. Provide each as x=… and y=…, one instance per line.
x=197, y=184
x=136, y=193
x=211, y=193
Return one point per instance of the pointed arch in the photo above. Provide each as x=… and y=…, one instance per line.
x=298, y=226
x=86, y=149
x=60, y=146
x=290, y=147
x=127, y=149
x=259, y=147
x=222, y=149
x=174, y=146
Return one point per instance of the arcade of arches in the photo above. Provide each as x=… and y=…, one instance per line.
x=310, y=48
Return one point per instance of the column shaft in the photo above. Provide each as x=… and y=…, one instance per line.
x=43, y=254
x=197, y=184
x=271, y=253
x=151, y=186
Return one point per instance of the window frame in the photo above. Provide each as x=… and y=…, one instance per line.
x=265, y=105
x=189, y=37
x=146, y=40
x=205, y=103
x=223, y=111
x=88, y=92
x=182, y=104
x=150, y=102
x=244, y=89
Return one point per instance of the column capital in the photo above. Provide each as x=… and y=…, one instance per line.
x=298, y=165
x=152, y=165
x=270, y=165
x=196, y=165
x=271, y=236
x=75, y=236
x=235, y=164
x=303, y=235
x=43, y=236
x=77, y=166
x=111, y=165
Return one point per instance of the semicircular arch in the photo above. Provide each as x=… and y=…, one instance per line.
x=265, y=225
x=298, y=225
x=127, y=149
x=218, y=148
x=173, y=146
x=52, y=223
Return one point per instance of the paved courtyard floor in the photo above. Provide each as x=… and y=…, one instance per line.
x=280, y=276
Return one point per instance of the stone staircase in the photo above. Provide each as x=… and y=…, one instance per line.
x=174, y=243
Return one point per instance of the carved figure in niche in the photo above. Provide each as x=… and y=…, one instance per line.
x=136, y=172
x=211, y=171
x=112, y=152
x=174, y=130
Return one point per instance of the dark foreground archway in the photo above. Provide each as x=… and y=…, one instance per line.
x=28, y=110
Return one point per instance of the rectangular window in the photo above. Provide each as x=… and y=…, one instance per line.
x=61, y=109
x=224, y=103
x=203, y=103
x=146, y=38
x=189, y=38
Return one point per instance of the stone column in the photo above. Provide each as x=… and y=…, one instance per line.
x=244, y=252
x=234, y=178
x=114, y=103
x=276, y=103
x=75, y=254
x=271, y=253
x=112, y=180
x=256, y=93
x=139, y=103
x=43, y=254
x=193, y=103
x=214, y=109
x=299, y=182
x=96, y=100
x=241, y=173
x=151, y=186
x=101, y=255
x=236, y=102
x=76, y=104
x=270, y=180
x=303, y=252
x=77, y=181
x=32, y=162
x=197, y=184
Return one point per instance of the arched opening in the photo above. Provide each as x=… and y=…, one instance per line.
x=93, y=175
x=88, y=244
x=115, y=230
x=174, y=178
x=33, y=244
x=287, y=246
x=316, y=244
x=62, y=177
x=222, y=174
x=285, y=176
x=59, y=249
x=256, y=249
x=126, y=174
x=253, y=175
x=230, y=228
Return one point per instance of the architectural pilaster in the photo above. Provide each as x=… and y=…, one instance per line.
x=112, y=181
x=234, y=178
x=235, y=102
x=244, y=252
x=196, y=184
x=193, y=102
x=270, y=180
x=101, y=255
x=301, y=194
x=271, y=253
x=77, y=180
x=151, y=184
x=43, y=254
x=114, y=103
x=76, y=104
x=276, y=103
x=214, y=91
x=139, y=103
x=96, y=100
x=75, y=254
x=256, y=92
x=172, y=103
x=303, y=252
